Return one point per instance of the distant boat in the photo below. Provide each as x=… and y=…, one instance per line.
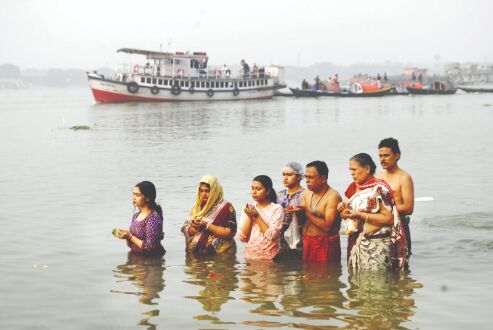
x=355, y=91
x=476, y=90
x=182, y=76
x=438, y=88
x=312, y=93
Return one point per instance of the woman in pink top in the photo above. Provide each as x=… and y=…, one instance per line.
x=260, y=224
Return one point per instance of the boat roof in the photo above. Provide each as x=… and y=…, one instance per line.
x=151, y=54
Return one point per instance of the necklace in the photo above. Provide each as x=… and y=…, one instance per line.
x=314, y=208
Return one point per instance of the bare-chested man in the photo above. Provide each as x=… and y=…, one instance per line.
x=321, y=241
x=399, y=180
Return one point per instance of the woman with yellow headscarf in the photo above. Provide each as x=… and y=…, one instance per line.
x=211, y=224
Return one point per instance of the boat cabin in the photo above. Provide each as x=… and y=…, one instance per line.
x=185, y=70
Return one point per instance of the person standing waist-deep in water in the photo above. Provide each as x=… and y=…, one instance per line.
x=146, y=229
x=399, y=180
x=260, y=224
x=290, y=199
x=211, y=225
x=321, y=240
x=379, y=242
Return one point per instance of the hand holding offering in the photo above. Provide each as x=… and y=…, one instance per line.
x=251, y=211
x=293, y=209
x=346, y=213
x=341, y=206
x=121, y=233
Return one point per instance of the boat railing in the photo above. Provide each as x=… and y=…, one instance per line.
x=209, y=74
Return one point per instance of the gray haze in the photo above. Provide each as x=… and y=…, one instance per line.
x=86, y=34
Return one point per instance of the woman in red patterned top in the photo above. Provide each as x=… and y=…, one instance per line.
x=379, y=242
x=146, y=229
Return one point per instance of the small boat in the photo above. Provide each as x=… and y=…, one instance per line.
x=312, y=93
x=356, y=90
x=182, y=76
x=476, y=90
x=438, y=88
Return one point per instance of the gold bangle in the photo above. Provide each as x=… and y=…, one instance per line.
x=367, y=217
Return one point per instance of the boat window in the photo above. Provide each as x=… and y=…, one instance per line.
x=265, y=81
x=186, y=84
x=207, y=84
x=249, y=83
x=182, y=83
x=154, y=81
x=165, y=82
x=258, y=82
x=241, y=83
x=217, y=84
x=148, y=80
x=192, y=83
x=222, y=84
x=142, y=79
x=202, y=84
x=160, y=82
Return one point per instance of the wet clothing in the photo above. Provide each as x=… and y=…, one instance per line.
x=386, y=247
x=285, y=200
x=205, y=242
x=405, y=225
x=150, y=232
x=263, y=245
x=322, y=248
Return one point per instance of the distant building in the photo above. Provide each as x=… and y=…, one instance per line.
x=408, y=72
x=469, y=73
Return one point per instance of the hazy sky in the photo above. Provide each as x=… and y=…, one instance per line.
x=86, y=34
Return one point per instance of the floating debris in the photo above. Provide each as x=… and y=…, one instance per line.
x=80, y=127
x=486, y=105
x=424, y=199
x=40, y=266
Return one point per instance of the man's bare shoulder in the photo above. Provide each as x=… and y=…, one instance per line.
x=405, y=177
x=380, y=175
x=333, y=196
x=304, y=195
x=397, y=174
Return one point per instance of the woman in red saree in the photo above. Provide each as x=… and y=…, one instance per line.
x=211, y=225
x=379, y=242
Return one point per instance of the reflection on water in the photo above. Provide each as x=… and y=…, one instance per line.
x=146, y=273
x=293, y=290
x=216, y=278
x=293, y=294
x=381, y=300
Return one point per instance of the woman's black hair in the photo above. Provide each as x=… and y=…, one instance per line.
x=148, y=189
x=365, y=160
x=267, y=183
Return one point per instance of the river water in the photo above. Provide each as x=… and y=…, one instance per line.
x=62, y=191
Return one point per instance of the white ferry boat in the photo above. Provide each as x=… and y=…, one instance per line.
x=182, y=76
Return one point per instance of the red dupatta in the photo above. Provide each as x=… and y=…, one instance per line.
x=399, y=249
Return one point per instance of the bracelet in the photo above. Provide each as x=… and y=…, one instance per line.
x=367, y=217
x=131, y=236
x=207, y=226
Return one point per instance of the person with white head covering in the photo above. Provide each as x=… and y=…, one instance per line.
x=290, y=199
